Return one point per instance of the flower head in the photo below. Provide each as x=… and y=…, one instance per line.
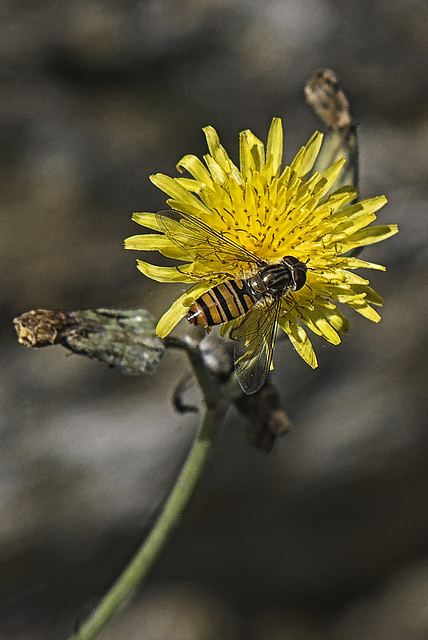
x=228, y=221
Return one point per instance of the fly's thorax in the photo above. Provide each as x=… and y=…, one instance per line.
x=278, y=279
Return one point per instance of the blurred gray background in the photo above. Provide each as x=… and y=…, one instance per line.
x=325, y=538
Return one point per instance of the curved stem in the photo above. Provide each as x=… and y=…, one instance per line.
x=173, y=510
x=168, y=520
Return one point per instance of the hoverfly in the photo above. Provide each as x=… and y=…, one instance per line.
x=254, y=303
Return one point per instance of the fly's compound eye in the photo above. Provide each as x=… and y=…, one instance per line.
x=299, y=273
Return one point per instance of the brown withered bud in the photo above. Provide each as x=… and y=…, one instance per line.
x=42, y=327
x=325, y=95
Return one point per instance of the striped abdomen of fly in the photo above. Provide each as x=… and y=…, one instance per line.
x=222, y=303
x=234, y=298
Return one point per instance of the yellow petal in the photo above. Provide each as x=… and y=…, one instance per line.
x=370, y=295
x=173, y=188
x=338, y=321
x=348, y=277
x=256, y=148
x=196, y=208
x=336, y=200
x=305, y=159
x=218, y=173
x=364, y=309
x=215, y=148
x=370, y=204
x=148, y=220
x=328, y=178
x=246, y=158
x=364, y=210
x=148, y=242
x=196, y=168
x=299, y=340
x=165, y=274
x=357, y=263
x=319, y=317
x=370, y=235
x=274, y=144
x=306, y=316
x=194, y=186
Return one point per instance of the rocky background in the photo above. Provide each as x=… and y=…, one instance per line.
x=326, y=538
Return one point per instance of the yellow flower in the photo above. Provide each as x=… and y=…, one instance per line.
x=229, y=222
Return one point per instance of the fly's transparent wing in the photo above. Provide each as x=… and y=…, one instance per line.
x=255, y=336
x=195, y=236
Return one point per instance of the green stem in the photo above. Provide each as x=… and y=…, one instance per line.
x=168, y=520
